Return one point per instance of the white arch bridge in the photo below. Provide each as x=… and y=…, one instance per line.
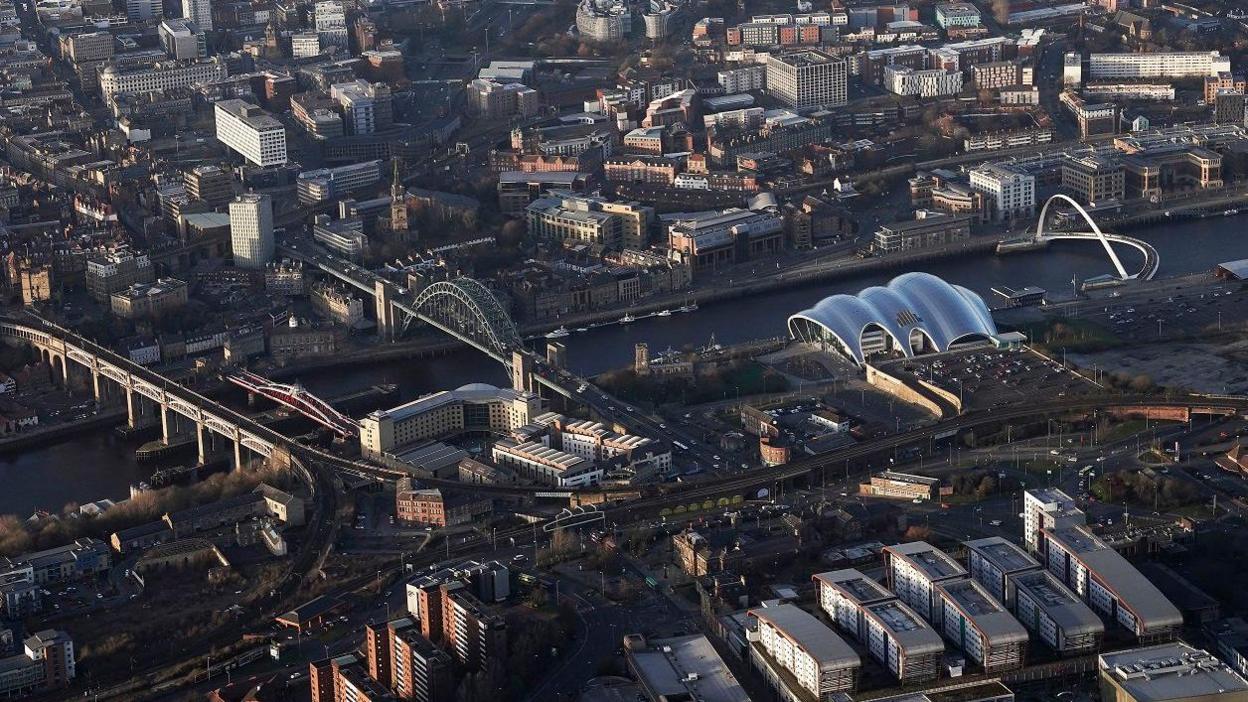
x=1151, y=259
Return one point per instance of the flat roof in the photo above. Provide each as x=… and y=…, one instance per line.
x=1003, y=554
x=984, y=612
x=855, y=586
x=433, y=456
x=1066, y=610
x=935, y=564
x=665, y=667
x=1170, y=671
x=907, y=627
x=1132, y=589
x=811, y=635
x=1237, y=268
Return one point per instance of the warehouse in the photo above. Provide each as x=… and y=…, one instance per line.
x=994, y=562
x=1054, y=614
x=980, y=626
x=914, y=568
x=1109, y=584
x=844, y=593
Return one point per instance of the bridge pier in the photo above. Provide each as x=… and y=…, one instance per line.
x=138, y=409
x=384, y=309
x=171, y=423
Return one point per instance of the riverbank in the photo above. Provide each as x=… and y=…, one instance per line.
x=59, y=432
x=795, y=277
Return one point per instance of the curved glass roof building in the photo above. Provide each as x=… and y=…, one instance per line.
x=914, y=313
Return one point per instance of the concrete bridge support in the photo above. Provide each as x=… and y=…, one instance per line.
x=384, y=309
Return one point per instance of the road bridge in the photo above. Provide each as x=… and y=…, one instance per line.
x=148, y=392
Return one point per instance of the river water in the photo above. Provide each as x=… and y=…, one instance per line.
x=97, y=465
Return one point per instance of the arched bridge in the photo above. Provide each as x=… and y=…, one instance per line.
x=461, y=307
x=1151, y=260
x=297, y=399
x=467, y=310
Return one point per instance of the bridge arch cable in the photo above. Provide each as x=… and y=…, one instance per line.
x=467, y=308
x=1113, y=256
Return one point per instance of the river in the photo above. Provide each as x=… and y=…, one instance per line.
x=96, y=465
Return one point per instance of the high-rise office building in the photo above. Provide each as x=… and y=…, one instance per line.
x=251, y=132
x=808, y=78
x=251, y=230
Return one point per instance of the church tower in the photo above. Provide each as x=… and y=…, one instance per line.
x=398, y=202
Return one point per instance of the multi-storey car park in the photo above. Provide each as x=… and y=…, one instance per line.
x=979, y=625
x=1054, y=614
x=1107, y=582
x=844, y=593
x=900, y=640
x=994, y=562
x=913, y=571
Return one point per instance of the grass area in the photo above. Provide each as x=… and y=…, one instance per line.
x=1126, y=429
x=1072, y=334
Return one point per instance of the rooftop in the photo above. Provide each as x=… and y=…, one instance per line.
x=855, y=585
x=935, y=564
x=1070, y=614
x=1121, y=578
x=1003, y=554
x=809, y=57
x=907, y=627
x=687, y=666
x=251, y=115
x=1170, y=671
x=984, y=612
x=810, y=634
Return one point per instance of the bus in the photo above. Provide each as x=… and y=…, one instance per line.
x=680, y=446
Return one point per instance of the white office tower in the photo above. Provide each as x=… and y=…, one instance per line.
x=199, y=12
x=251, y=230
x=251, y=132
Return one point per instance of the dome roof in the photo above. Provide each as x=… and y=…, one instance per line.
x=943, y=313
x=477, y=387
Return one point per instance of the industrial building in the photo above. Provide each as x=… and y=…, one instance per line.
x=1172, y=672
x=684, y=667
x=1109, y=584
x=1055, y=614
x=914, y=569
x=994, y=562
x=979, y=625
